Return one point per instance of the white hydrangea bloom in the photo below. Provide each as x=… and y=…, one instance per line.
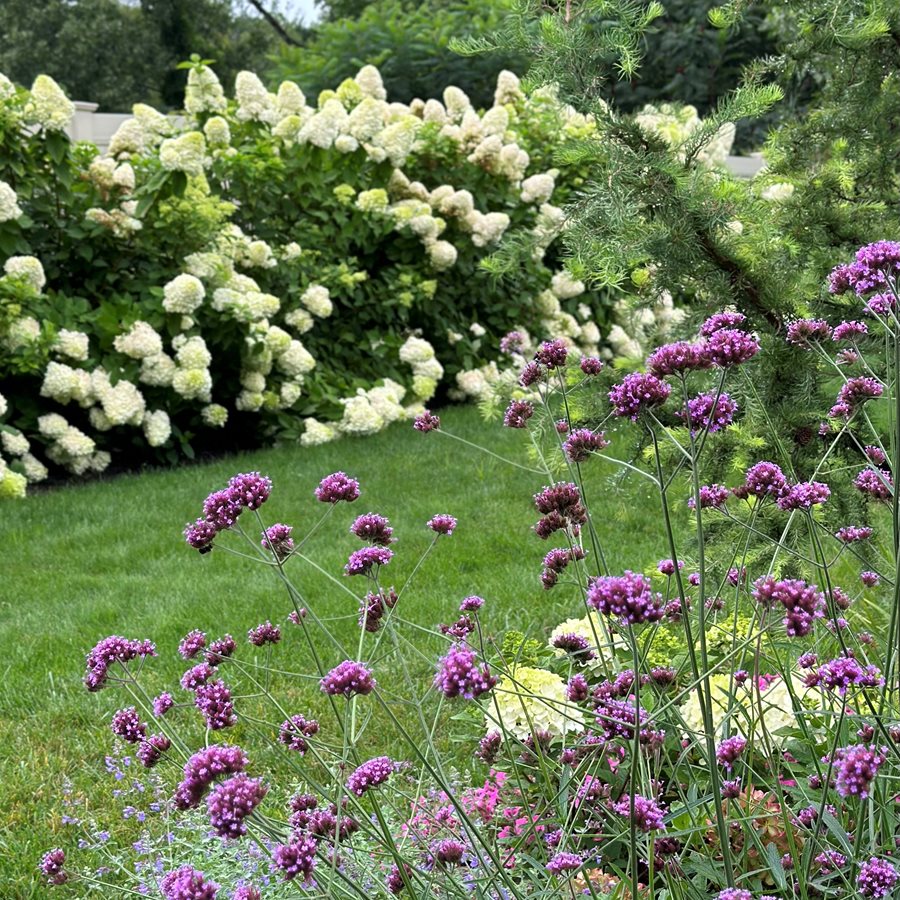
x=74, y=442
x=27, y=268
x=538, y=188
x=252, y=381
x=288, y=129
x=48, y=106
x=442, y=255
x=776, y=193
x=487, y=153
x=217, y=132
x=9, y=206
x=35, y=470
x=73, y=344
x=593, y=628
x=494, y=121
x=322, y=129
x=193, y=353
x=375, y=200
x=397, y=139
x=52, y=425
x=14, y=444
x=590, y=333
x=291, y=251
x=345, y=143
x=215, y=415
x=317, y=433
x=429, y=368
x=289, y=393
x=259, y=255
x=7, y=88
x=124, y=177
x=61, y=382
x=360, y=417
x=416, y=350
x=317, y=300
x=547, y=305
x=623, y=344
x=119, y=221
x=204, y=92
x=385, y=401
x=23, y=331
x=123, y=404
x=157, y=427
x=565, y=286
x=277, y=340
x=290, y=100
x=489, y=228
x=13, y=485
x=248, y=401
x=129, y=138
x=456, y=102
x=157, y=371
x=152, y=121
x=434, y=112
x=508, y=89
x=424, y=387
x=255, y=103
x=534, y=700
x=368, y=79
x=183, y=295
x=366, y=119
x=99, y=420
x=4, y=405
x=185, y=153
x=477, y=330
x=192, y=384
x=296, y=360
x=513, y=162
x=300, y=320
x=472, y=382
x=139, y=341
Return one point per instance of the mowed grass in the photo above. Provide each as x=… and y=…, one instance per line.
x=83, y=562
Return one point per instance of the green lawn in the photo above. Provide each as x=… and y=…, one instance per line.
x=83, y=562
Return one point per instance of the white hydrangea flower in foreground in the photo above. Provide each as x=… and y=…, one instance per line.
x=291, y=251
x=385, y=400
x=290, y=100
x=22, y=331
x=123, y=404
x=13, y=485
x=27, y=268
x=183, y=295
x=477, y=330
x=185, y=153
x=317, y=300
x=289, y=393
x=300, y=320
x=139, y=341
x=48, y=106
x=129, y=138
x=317, y=433
x=565, y=286
x=52, y=425
x=9, y=206
x=442, y=254
x=192, y=353
x=248, y=401
x=487, y=229
x=323, y=128
x=366, y=119
x=217, y=132
x=416, y=350
x=255, y=103
x=35, y=470
x=429, y=368
x=215, y=415
x=15, y=444
x=777, y=192
x=360, y=417
x=157, y=371
x=533, y=701
x=472, y=382
x=155, y=124
x=74, y=442
x=296, y=360
x=63, y=383
x=157, y=428
x=508, y=89
x=424, y=387
x=368, y=79
x=538, y=188
x=192, y=384
x=203, y=92
x=7, y=88
x=259, y=254
x=4, y=405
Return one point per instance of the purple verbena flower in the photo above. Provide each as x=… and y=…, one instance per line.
x=264, y=633
x=855, y=769
x=113, y=649
x=626, y=597
x=638, y=392
x=362, y=561
x=294, y=732
x=222, y=508
x=369, y=775
x=804, y=495
x=250, y=489
x=706, y=411
x=877, y=878
x=196, y=676
x=231, y=801
x=580, y=444
x=517, y=414
x=203, y=768
x=150, y=751
x=298, y=858
x=850, y=534
x=854, y=393
x=802, y=331
x=848, y=331
x=448, y=851
x=200, y=535
x=766, y=478
x=730, y=347
x=127, y=725
x=424, y=422
x=512, y=342
x=552, y=354
x=591, y=365
x=373, y=528
x=671, y=359
x=729, y=751
x=213, y=699
x=531, y=374
x=712, y=496
x=374, y=606
x=219, y=650
x=471, y=604
x=869, y=579
x=460, y=675
x=721, y=320
x=277, y=538
x=338, y=487
x=52, y=864
x=442, y=524
x=648, y=815
x=348, y=678
x=187, y=883
x=162, y=704
x=877, y=483
x=564, y=862
x=191, y=644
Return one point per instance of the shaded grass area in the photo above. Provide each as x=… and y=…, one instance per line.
x=107, y=557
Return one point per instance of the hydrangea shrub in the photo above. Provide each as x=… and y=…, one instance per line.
x=272, y=266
